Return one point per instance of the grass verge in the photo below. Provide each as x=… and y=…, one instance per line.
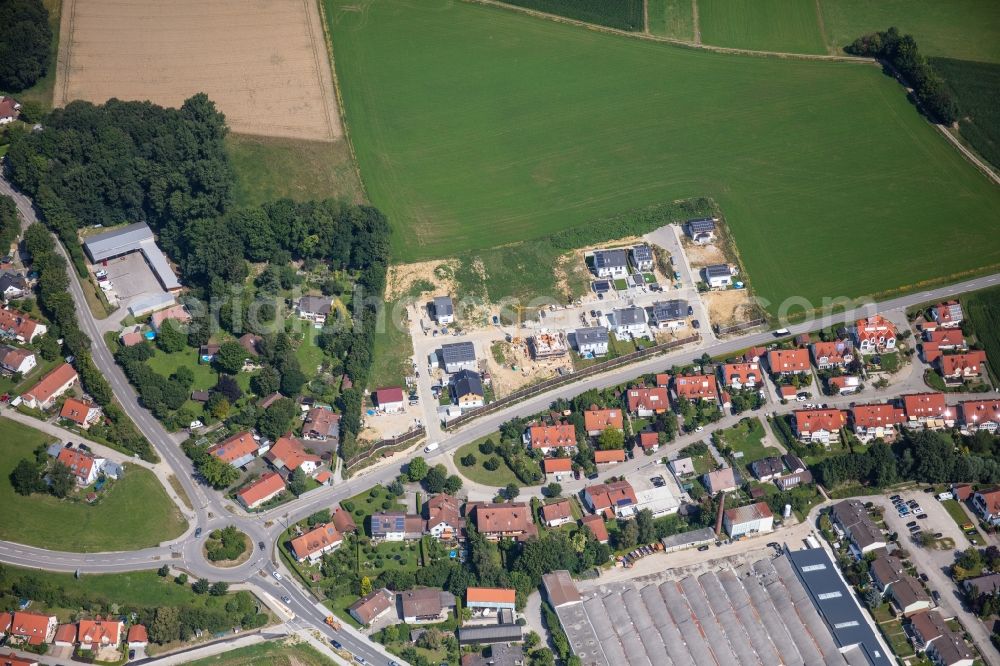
x=476, y=473
x=271, y=653
x=134, y=513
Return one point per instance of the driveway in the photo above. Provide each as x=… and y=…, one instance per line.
x=935, y=563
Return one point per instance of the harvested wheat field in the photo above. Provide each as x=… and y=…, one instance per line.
x=263, y=62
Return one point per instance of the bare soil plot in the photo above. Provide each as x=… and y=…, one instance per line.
x=732, y=306
x=704, y=255
x=263, y=62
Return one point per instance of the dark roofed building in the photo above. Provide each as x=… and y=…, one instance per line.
x=397, y=526
x=492, y=633
x=642, y=257
x=426, y=604
x=836, y=604
x=950, y=650
x=610, y=263
x=766, y=469
x=669, y=313
x=458, y=356
x=444, y=309
x=467, y=389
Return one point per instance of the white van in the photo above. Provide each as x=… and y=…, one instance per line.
x=780, y=332
x=431, y=447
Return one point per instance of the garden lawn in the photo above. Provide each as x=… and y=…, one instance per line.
x=788, y=26
x=392, y=353
x=365, y=504
x=747, y=437
x=166, y=364
x=499, y=477
x=966, y=29
x=671, y=18
x=269, y=168
x=961, y=518
x=272, y=653
x=536, y=126
x=134, y=513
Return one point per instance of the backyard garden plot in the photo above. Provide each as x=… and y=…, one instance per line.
x=789, y=26
x=265, y=65
x=531, y=128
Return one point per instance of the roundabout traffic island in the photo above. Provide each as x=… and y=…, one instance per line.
x=227, y=547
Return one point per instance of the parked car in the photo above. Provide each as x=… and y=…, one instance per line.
x=690, y=310
x=695, y=323
x=260, y=544
x=923, y=577
x=702, y=549
x=937, y=597
x=336, y=644
x=921, y=516
x=911, y=523
x=286, y=599
x=277, y=576
x=895, y=498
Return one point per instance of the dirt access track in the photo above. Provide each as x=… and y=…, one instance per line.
x=263, y=62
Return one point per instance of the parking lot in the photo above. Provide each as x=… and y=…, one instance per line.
x=936, y=562
x=131, y=277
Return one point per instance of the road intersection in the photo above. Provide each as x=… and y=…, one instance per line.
x=212, y=510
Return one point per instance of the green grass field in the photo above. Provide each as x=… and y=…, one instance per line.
x=271, y=653
x=965, y=29
x=789, y=26
x=982, y=309
x=620, y=14
x=671, y=18
x=135, y=513
x=271, y=168
x=976, y=86
x=534, y=127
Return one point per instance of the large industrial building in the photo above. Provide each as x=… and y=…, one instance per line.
x=792, y=609
x=136, y=237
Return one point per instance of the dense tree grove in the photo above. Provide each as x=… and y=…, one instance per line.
x=58, y=306
x=925, y=456
x=10, y=225
x=901, y=52
x=134, y=161
x=24, y=43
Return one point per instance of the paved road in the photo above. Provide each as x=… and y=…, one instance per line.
x=213, y=510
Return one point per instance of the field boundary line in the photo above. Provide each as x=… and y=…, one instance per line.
x=311, y=14
x=63, y=54
x=830, y=48
x=695, y=23
x=328, y=38
x=667, y=40
x=968, y=154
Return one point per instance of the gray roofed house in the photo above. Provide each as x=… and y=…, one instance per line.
x=591, y=341
x=315, y=307
x=493, y=633
x=444, y=309
x=852, y=518
x=988, y=584
x=701, y=230
x=458, y=356
x=629, y=321
x=467, y=389
x=766, y=469
x=909, y=595
x=837, y=605
x=610, y=263
x=136, y=237
x=426, y=604
x=885, y=571
x=12, y=285
x=669, y=313
x=642, y=257
x=793, y=463
x=718, y=275
x=950, y=650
